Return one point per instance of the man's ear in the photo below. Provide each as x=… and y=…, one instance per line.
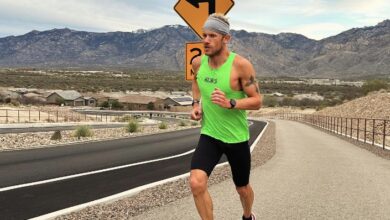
x=227, y=38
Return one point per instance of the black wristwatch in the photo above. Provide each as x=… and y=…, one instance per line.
x=195, y=101
x=232, y=103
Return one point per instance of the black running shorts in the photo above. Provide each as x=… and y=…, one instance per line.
x=209, y=151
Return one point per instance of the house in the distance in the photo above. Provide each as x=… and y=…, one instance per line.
x=178, y=103
x=90, y=101
x=140, y=102
x=66, y=97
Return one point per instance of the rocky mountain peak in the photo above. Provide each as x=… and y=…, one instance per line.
x=385, y=23
x=355, y=52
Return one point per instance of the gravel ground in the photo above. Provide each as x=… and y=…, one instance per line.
x=166, y=193
x=22, y=141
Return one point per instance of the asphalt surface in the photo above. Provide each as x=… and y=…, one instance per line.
x=313, y=175
x=18, y=167
x=39, y=164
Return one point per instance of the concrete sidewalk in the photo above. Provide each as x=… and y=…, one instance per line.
x=313, y=175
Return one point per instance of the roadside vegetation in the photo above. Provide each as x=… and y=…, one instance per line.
x=132, y=126
x=163, y=126
x=56, y=136
x=182, y=123
x=83, y=131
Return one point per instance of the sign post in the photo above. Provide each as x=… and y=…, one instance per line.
x=195, y=14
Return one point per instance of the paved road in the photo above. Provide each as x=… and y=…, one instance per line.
x=313, y=175
x=39, y=164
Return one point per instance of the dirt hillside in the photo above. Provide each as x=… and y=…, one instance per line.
x=375, y=105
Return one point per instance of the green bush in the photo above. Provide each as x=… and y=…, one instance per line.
x=270, y=101
x=15, y=103
x=112, y=104
x=194, y=123
x=132, y=126
x=163, y=125
x=182, y=123
x=374, y=85
x=83, y=131
x=56, y=136
x=150, y=106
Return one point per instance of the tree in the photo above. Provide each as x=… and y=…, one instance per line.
x=150, y=106
x=374, y=85
x=270, y=101
x=113, y=104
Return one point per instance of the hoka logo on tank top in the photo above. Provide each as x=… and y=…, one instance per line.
x=211, y=80
x=226, y=125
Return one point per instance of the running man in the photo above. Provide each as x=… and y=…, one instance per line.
x=224, y=87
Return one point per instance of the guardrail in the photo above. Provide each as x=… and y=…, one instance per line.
x=78, y=115
x=372, y=131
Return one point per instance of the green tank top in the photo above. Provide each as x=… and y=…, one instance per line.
x=226, y=125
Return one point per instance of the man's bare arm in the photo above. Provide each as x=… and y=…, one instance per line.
x=195, y=87
x=250, y=86
x=196, y=113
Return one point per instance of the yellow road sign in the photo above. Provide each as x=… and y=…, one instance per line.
x=193, y=50
x=196, y=12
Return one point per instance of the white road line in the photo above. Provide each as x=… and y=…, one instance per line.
x=134, y=190
x=92, y=172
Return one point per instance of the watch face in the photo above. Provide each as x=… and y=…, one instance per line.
x=232, y=103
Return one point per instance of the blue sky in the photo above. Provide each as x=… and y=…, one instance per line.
x=315, y=19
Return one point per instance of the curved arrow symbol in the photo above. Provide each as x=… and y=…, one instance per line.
x=195, y=3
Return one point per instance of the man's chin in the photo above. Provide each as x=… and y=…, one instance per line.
x=208, y=52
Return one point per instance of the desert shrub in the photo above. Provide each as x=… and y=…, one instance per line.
x=56, y=136
x=150, y=106
x=163, y=125
x=132, y=126
x=270, y=101
x=374, y=85
x=15, y=103
x=83, y=131
x=194, y=123
x=182, y=123
x=114, y=104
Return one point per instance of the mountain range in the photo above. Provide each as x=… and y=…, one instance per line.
x=358, y=52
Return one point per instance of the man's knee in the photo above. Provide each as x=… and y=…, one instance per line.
x=198, y=182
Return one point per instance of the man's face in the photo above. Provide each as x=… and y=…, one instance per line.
x=213, y=42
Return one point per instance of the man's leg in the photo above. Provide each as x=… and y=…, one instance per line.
x=206, y=156
x=239, y=158
x=203, y=202
x=246, y=196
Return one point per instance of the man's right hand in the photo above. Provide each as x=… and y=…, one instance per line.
x=196, y=113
